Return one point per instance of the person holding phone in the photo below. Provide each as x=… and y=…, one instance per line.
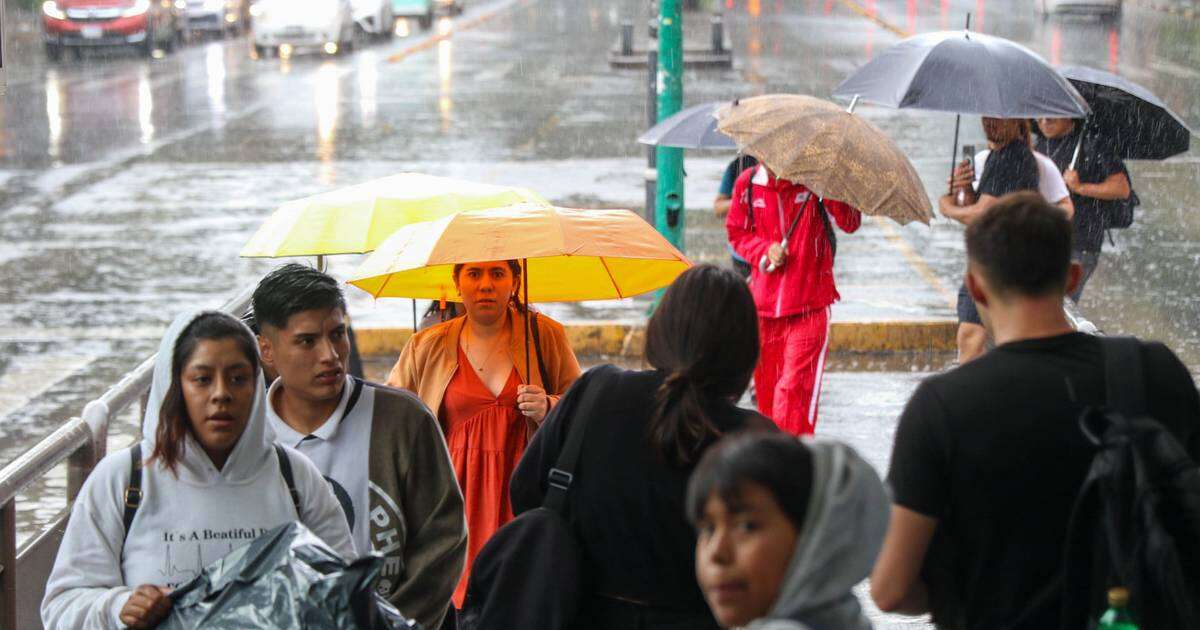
x=1009, y=165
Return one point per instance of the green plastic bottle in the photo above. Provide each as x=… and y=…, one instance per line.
x=1117, y=617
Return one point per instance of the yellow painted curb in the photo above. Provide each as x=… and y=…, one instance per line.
x=626, y=340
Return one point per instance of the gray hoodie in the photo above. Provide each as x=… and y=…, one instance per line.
x=187, y=519
x=835, y=550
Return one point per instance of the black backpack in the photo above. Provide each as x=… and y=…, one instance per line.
x=530, y=573
x=133, y=493
x=1136, y=520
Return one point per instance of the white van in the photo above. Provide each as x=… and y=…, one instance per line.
x=294, y=26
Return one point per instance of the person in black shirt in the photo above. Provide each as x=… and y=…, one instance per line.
x=725, y=198
x=1098, y=182
x=1010, y=167
x=644, y=436
x=988, y=457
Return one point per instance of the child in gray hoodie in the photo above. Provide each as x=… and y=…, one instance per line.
x=785, y=530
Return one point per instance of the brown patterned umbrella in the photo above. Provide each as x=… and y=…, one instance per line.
x=835, y=154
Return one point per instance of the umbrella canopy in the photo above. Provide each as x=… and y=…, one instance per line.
x=834, y=153
x=572, y=255
x=1136, y=123
x=692, y=128
x=965, y=72
x=356, y=219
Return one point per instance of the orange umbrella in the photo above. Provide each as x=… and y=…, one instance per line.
x=571, y=254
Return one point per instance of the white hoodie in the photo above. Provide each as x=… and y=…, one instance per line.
x=184, y=523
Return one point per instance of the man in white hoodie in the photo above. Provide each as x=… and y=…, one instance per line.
x=380, y=448
x=210, y=482
x=785, y=530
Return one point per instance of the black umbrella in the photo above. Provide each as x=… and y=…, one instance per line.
x=964, y=72
x=1130, y=118
x=692, y=128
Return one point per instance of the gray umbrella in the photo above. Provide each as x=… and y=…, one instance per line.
x=692, y=128
x=965, y=72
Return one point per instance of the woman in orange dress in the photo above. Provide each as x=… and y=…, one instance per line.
x=472, y=371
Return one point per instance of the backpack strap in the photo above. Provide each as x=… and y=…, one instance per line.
x=133, y=493
x=1125, y=382
x=285, y=468
x=562, y=474
x=830, y=235
x=537, y=352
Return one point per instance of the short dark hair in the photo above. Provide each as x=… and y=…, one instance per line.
x=294, y=288
x=1022, y=245
x=704, y=336
x=173, y=422
x=778, y=462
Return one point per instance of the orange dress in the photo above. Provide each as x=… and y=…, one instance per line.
x=486, y=437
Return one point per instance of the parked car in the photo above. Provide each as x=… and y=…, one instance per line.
x=421, y=10
x=77, y=24
x=374, y=17
x=215, y=16
x=302, y=26
x=1109, y=8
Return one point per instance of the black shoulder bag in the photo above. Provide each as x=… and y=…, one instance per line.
x=530, y=573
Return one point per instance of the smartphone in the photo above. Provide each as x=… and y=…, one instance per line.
x=969, y=155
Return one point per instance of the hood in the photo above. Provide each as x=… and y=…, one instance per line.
x=836, y=549
x=252, y=451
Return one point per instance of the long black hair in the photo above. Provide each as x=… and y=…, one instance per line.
x=173, y=422
x=704, y=336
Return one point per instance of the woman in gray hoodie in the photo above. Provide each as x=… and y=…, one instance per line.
x=785, y=530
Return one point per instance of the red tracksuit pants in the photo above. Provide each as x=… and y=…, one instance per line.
x=790, y=367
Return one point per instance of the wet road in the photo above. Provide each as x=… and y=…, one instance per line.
x=129, y=185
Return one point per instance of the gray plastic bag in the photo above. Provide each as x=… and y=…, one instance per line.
x=286, y=578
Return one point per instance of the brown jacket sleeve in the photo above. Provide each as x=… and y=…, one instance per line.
x=562, y=368
x=404, y=373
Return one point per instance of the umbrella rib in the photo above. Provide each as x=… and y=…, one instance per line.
x=608, y=271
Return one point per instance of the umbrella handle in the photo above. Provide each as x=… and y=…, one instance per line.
x=1075, y=156
x=853, y=104
x=771, y=266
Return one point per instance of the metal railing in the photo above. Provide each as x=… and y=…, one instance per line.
x=81, y=442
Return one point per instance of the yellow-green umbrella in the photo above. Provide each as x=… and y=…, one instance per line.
x=356, y=219
x=571, y=254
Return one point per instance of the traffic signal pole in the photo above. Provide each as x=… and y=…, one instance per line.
x=668, y=214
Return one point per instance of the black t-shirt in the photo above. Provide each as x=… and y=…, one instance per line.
x=992, y=449
x=1096, y=163
x=1009, y=169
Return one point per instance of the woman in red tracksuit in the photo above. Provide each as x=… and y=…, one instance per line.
x=779, y=228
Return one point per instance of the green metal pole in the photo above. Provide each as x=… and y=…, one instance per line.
x=668, y=214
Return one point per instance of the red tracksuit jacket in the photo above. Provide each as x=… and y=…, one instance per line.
x=805, y=282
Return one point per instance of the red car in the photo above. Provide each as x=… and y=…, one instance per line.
x=143, y=24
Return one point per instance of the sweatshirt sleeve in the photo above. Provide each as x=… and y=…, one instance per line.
x=87, y=589
x=320, y=511
x=846, y=217
x=436, y=546
x=738, y=226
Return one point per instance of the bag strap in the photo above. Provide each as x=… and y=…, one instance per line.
x=562, y=474
x=537, y=353
x=830, y=235
x=285, y=468
x=1124, y=380
x=133, y=493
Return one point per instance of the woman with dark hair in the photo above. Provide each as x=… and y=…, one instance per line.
x=644, y=436
x=490, y=411
x=785, y=530
x=204, y=480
